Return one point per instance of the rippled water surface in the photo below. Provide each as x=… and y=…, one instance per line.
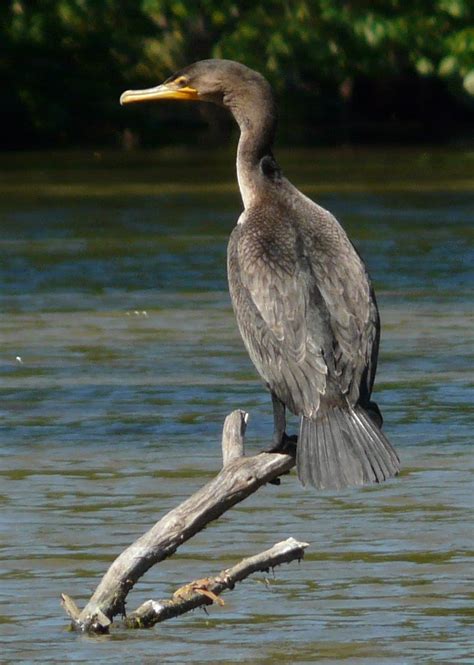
x=120, y=359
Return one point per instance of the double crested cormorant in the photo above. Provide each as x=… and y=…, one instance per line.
x=301, y=294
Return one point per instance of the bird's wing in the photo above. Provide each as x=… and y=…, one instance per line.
x=284, y=332
x=345, y=287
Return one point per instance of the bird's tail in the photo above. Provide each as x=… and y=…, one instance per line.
x=343, y=447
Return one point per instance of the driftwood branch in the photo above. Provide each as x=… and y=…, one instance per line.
x=207, y=591
x=240, y=477
x=233, y=435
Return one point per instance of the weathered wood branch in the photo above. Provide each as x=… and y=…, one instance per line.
x=233, y=436
x=240, y=477
x=206, y=591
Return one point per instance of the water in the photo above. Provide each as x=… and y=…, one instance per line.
x=115, y=299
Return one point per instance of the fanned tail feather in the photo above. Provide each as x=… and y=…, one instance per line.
x=343, y=447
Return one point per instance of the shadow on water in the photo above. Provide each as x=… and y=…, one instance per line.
x=120, y=359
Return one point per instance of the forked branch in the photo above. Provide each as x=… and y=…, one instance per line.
x=240, y=477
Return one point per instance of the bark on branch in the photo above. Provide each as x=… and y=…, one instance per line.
x=240, y=477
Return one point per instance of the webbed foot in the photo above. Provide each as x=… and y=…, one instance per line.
x=285, y=444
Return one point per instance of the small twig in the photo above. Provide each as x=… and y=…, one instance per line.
x=240, y=477
x=70, y=607
x=207, y=591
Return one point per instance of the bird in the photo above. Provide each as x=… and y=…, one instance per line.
x=301, y=293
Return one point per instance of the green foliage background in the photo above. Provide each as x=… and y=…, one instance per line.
x=343, y=70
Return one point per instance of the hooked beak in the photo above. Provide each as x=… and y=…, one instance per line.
x=164, y=91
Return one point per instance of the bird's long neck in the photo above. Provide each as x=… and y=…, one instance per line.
x=257, y=122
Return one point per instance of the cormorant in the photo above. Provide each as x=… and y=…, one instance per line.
x=301, y=294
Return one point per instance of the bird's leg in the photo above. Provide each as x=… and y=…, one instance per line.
x=279, y=421
x=281, y=440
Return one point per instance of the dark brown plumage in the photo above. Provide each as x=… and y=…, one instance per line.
x=301, y=294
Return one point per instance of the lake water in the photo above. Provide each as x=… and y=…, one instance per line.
x=120, y=359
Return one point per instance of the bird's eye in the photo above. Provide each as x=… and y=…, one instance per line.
x=181, y=80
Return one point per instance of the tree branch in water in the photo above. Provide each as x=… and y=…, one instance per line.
x=239, y=478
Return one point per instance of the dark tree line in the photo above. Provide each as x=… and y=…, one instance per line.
x=343, y=69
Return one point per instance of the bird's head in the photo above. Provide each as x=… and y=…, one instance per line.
x=223, y=82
